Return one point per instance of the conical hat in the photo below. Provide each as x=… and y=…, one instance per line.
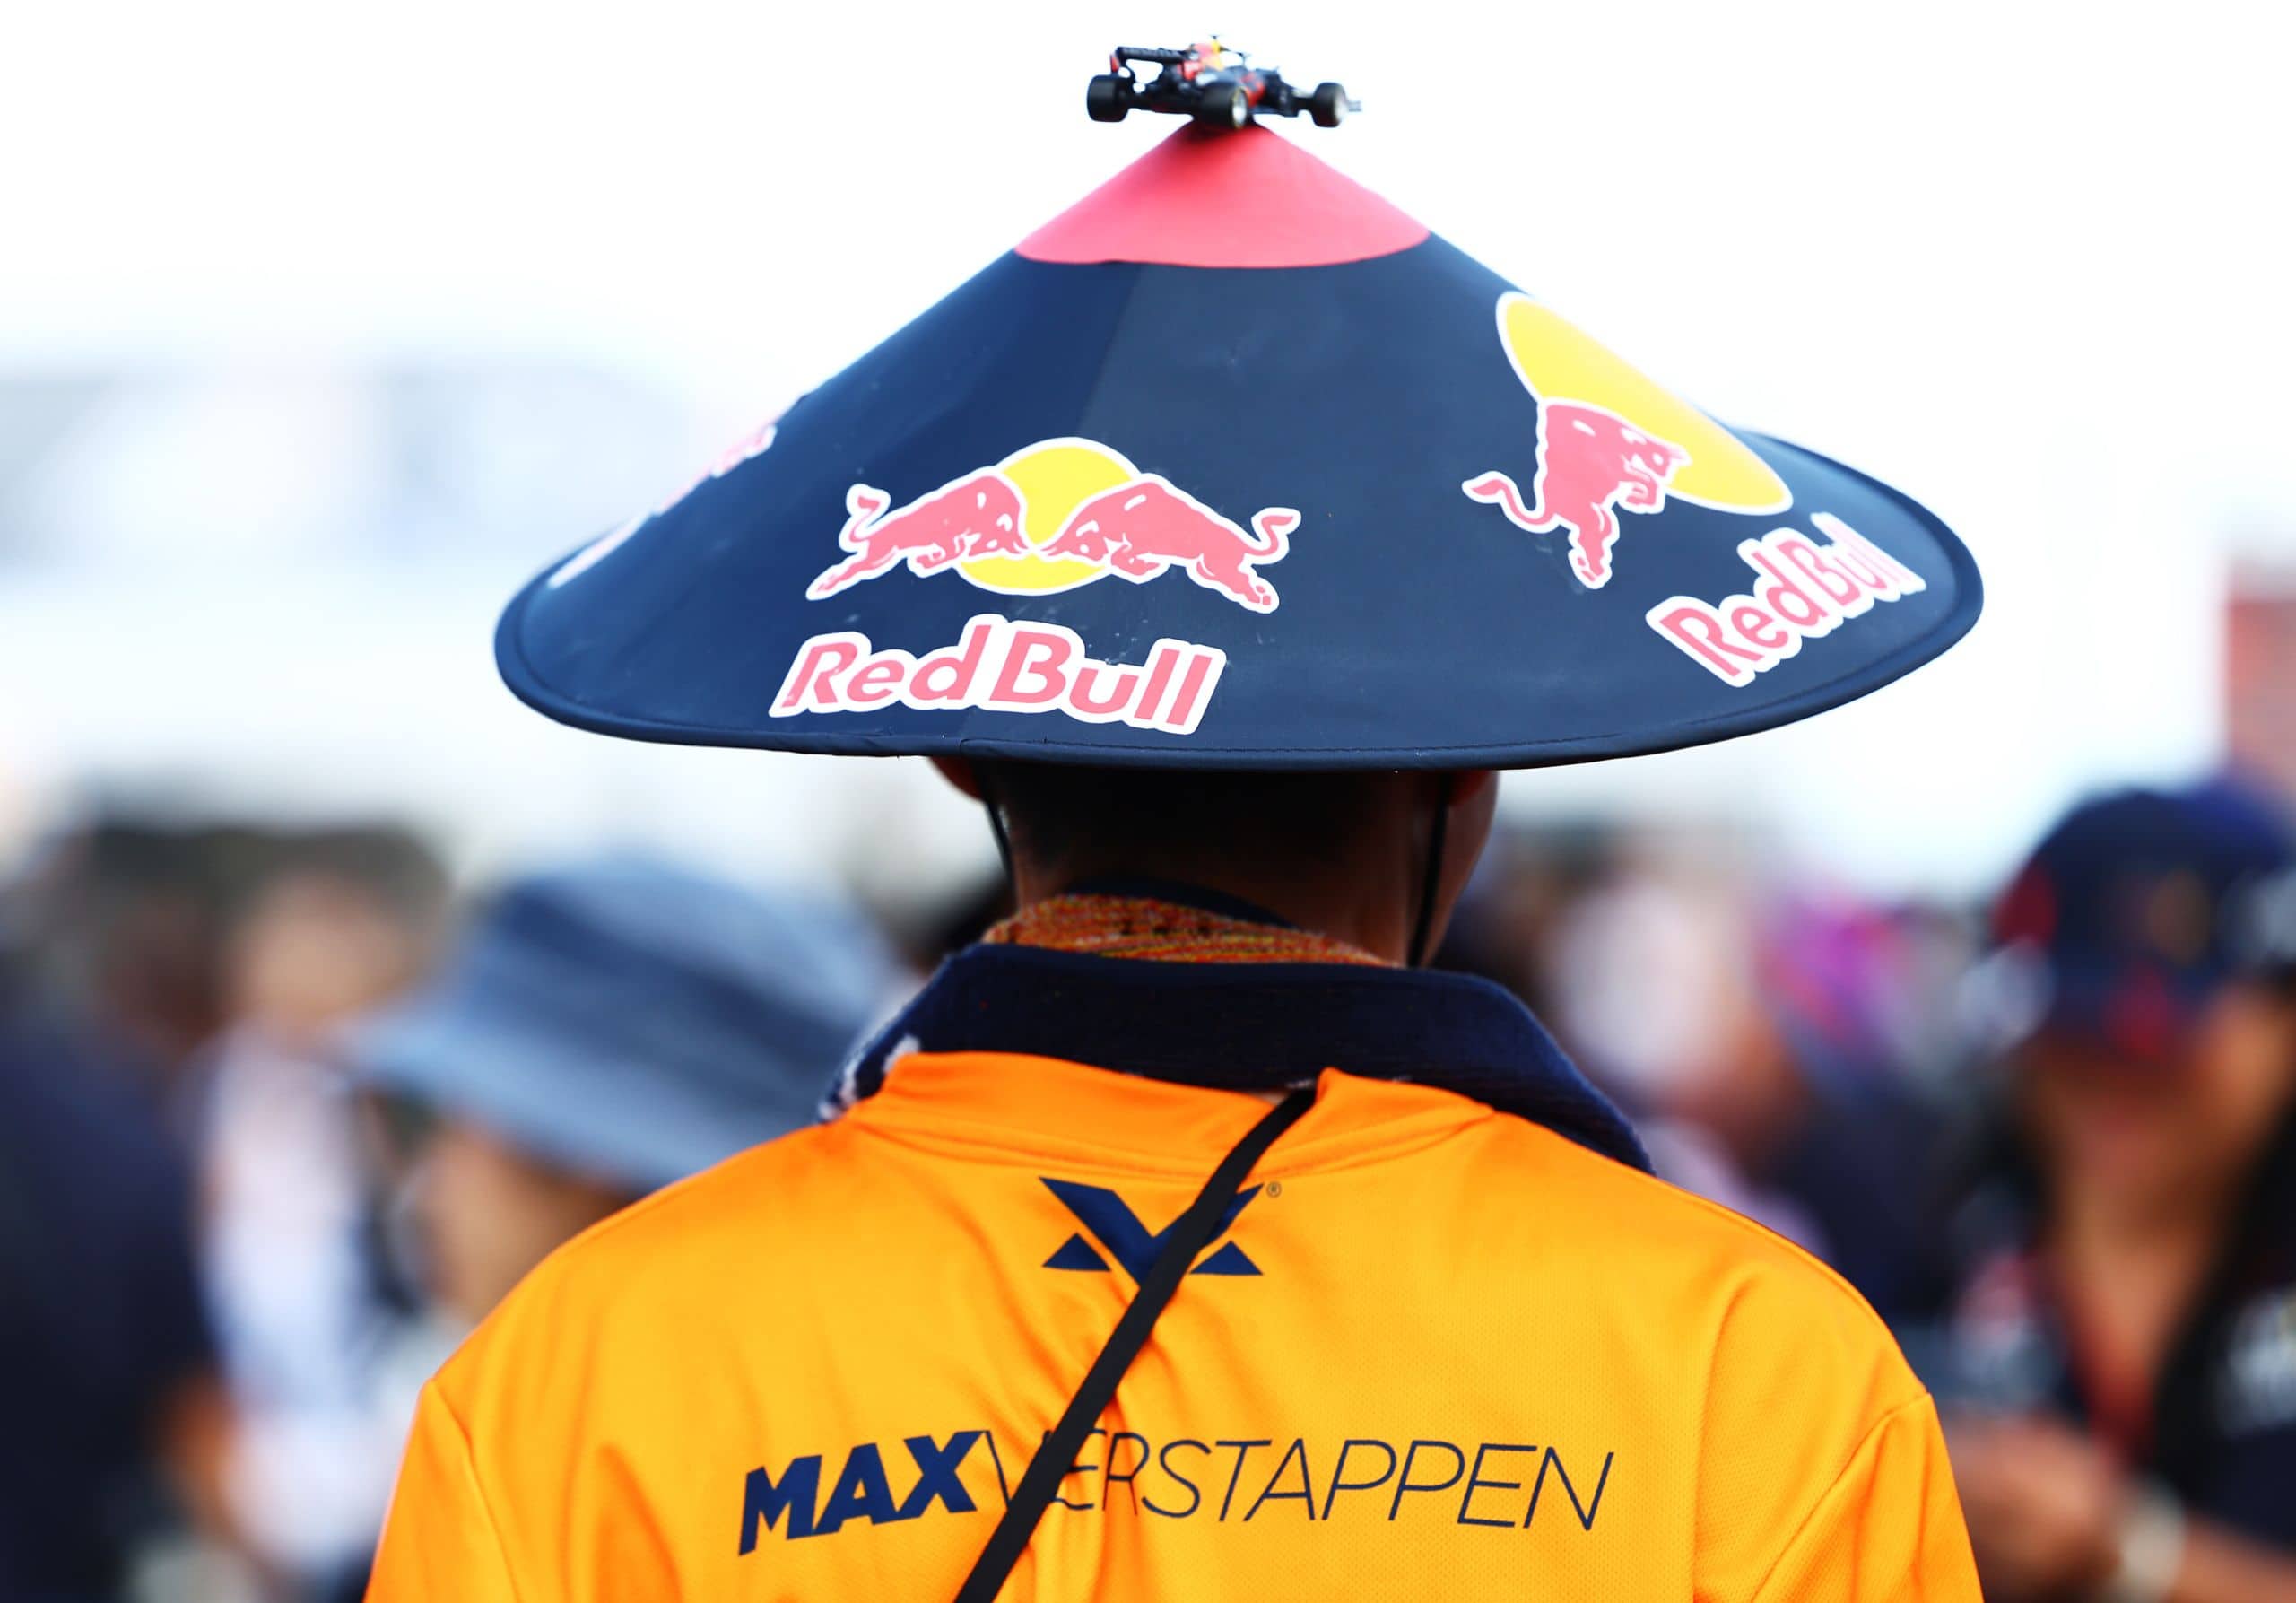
x=1235, y=465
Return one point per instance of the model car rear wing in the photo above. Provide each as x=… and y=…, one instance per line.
x=1124, y=53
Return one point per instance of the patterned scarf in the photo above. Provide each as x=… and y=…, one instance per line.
x=1145, y=928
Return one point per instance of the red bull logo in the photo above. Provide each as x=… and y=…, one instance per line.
x=1051, y=517
x=1007, y=666
x=1610, y=440
x=1801, y=591
x=1591, y=462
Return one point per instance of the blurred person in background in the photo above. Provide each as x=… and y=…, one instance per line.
x=596, y=1031
x=116, y=1422
x=600, y=1031
x=329, y=925
x=126, y=918
x=2125, y=1341
x=1762, y=1042
x=114, y=1426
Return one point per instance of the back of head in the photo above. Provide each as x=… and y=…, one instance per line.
x=1073, y=824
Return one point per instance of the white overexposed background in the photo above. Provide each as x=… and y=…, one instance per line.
x=321, y=328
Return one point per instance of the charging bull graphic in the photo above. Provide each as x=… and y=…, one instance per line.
x=974, y=516
x=1608, y=441
x=1591, y=462
x=1140, y=529
x=1055, y=515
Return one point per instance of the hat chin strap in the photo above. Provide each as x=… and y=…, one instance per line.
x=1432, y=880
x=997, y=828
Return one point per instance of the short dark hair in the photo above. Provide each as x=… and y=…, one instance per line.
x=1058, y=815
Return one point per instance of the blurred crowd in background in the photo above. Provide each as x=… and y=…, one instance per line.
x=283, y=1112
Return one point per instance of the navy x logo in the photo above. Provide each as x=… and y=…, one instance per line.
x=1119, y=1230
x=937, y=1474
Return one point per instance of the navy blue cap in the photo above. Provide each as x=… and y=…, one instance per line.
x=2139, y=905
x=1235, y=465
x=634, y=1020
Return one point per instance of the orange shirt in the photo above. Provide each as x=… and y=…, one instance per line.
x=1439, y=1352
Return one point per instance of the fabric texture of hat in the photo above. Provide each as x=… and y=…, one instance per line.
x=1234, y=465
x=634, y=1020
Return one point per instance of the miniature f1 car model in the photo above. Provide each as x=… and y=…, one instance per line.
x=1210, y=83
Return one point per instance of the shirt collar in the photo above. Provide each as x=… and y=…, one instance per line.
x=1249, y=1027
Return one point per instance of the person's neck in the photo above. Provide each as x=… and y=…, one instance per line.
x=1347, y=912
x=2131, y=1273
x=2097, y=1218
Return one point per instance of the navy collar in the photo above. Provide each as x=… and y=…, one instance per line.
x=1238, y=1026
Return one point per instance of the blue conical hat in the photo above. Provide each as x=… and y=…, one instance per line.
x=1235, y=465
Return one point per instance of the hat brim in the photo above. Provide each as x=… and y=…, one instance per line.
x=555, y=1098
x=1403, y=622
x=2100, y=1004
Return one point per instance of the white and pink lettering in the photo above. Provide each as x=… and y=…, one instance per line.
x=1007, y=666
x=1035, y=674
x=1802, y=591
x=944, y=678
x=821, y=662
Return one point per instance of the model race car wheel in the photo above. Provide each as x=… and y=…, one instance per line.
x=1224, y=106
x=1327, y=105
x=1107, y=98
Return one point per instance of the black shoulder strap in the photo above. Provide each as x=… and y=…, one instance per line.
x=1190, y=1232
